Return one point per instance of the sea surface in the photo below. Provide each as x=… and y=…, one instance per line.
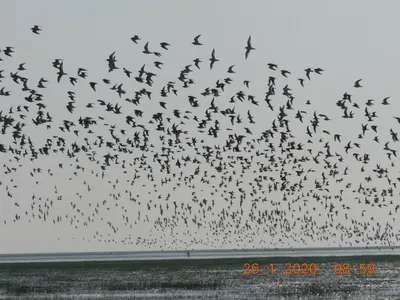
x=303, y=277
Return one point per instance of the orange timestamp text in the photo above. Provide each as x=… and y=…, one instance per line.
x=308, y=268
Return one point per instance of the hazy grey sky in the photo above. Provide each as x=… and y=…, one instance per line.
x=350, y=40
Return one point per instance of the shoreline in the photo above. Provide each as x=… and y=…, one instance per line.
x=217, y=254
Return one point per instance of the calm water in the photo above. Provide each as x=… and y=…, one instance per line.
x=201, y=279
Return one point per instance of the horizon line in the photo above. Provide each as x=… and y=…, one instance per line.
x=199, y=254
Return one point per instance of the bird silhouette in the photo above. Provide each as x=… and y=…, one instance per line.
x=196, y=41
x=213, y=59
x=357, y=83
x=248, y=47
x=36, y=29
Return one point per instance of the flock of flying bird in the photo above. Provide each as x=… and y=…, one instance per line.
x=197, y=176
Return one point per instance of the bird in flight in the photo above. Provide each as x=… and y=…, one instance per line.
x=164, y=45
x=385, y=101
x=196, y=62
x=8, y=51
x=21, y=67
x=308, y=72
x=230, y=69
x=357, y=83
x=248, y=47
x=135, y=39
x=213, y=59
x=196, y=41
x=146, y=49
x=318, y=71
x=285, y=73
x=35, y=29
x=272, y=66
